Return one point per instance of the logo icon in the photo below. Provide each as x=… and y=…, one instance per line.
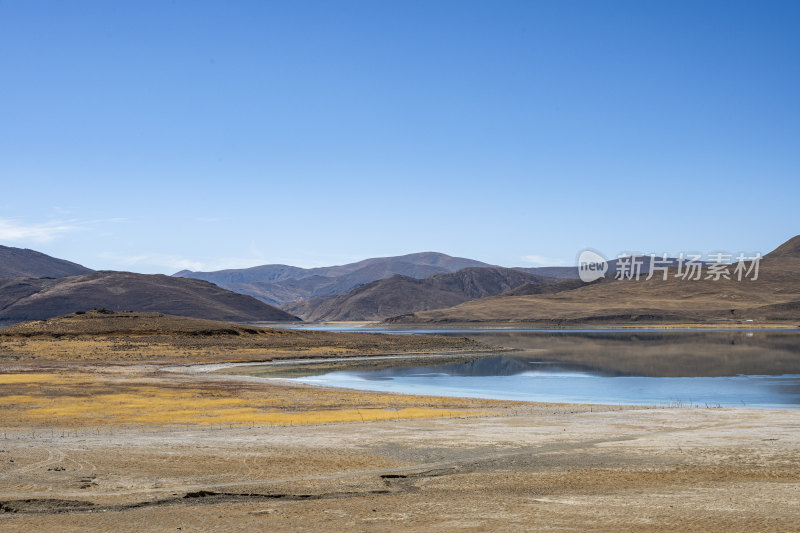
x=591, y=266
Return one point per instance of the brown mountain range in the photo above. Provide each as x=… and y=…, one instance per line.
x=282, y=284
x=23, y=299
x=402, y=294
x=22, y=262
x=773, y=297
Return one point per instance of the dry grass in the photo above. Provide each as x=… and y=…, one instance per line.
x=84, y=374
x=169, y=340
x=82, y=399
x=545, y=467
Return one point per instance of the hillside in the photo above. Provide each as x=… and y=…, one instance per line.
x=564, y=272
x=22, y=262
x=107, y=322
x=571, y=272
x=278, y=293
x=563, y=284
x=773, y=297
x=402, y=294
x=24, y=299
x=281, y=284
x=789, y=249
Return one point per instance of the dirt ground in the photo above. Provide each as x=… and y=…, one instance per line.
x=118, y=431
x=491, y=466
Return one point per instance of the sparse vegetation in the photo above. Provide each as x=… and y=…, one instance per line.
x=154, y=337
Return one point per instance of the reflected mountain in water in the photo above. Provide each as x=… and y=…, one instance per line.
x=667, y=354
x=733, y=369
x=487, y=366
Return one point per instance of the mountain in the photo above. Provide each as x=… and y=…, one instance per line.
x=278, y=293
x=567, y=272
x=21, y=262
x=246, y=275
x=24, y=299
x=559, y=285
x=281, y=284
x=443, y=262
x=773, y=297
x=403, y=294
x=789, y=249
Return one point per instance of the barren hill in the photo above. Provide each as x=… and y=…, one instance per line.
x=281, y=284
x=24, y=299
x=278, y=293
x=773, y=297
x=790, y=248
x=402, y=294
x=22, y=262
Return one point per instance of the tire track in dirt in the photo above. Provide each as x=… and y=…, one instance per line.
x=53, y=457
x=419, y=470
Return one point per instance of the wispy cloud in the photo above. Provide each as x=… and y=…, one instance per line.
x=15, y=230
x=541, y=261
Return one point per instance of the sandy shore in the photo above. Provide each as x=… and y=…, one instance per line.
x=463, y=464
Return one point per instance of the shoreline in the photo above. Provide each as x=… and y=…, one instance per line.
x=223, y=371
x=431, y=327
x=352, y=459
x=215, y=367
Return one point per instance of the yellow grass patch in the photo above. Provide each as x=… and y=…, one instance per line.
x=31, y=378
x=83, y=399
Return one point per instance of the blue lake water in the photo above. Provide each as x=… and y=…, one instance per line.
x=543, y=385
x=723, y=368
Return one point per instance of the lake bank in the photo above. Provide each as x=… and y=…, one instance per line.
x=89, y=445
x=539, y=466
x=720, y=368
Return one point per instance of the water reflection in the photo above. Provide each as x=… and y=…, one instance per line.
x=758, y=369
x=661, y=354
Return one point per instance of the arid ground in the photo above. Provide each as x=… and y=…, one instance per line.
x=128, y=444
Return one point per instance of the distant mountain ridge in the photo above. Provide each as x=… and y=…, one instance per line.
x=398, y=295
x=282, y=272
x=571, y=272
x=281, y=284
x=426, y=287
x=774, y=297
x=23, y=299
x=564, y=272
x=22, y=262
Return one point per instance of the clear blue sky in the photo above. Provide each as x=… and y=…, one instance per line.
x=155, y=136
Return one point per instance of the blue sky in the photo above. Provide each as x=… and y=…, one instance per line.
x=155, y=136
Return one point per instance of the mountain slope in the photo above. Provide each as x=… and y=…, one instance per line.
x=564, y=272
x=376, y=300
x=22, y=262
x=278, y=293
x=567, y=272
x=774, y=296
x=38, y=298
x=281, y=284
x=402, y=294
x=790, y=249
x=562, y=284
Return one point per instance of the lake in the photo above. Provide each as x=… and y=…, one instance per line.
x=725, y=368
